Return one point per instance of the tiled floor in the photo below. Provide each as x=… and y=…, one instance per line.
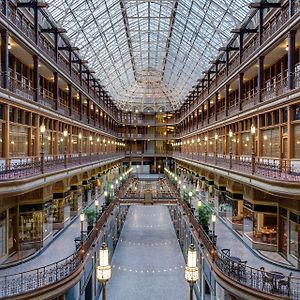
x=148, y=263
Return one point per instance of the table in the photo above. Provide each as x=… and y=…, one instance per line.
x=276, y=277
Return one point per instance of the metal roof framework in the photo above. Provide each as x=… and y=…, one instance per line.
x=149, y=53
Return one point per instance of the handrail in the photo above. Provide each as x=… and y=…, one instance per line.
x=22, y=170
x=25, y=282
x=279, y=169
x=241, y=273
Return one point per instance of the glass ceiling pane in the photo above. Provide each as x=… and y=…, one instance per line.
x=149, y=54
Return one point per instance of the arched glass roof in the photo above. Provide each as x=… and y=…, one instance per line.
x=149, y=53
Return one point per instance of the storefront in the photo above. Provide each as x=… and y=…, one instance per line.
x=75, y=200
x=233, y=211
x=220, y=201
x=261, y=225
x=61, y=209
x=294, y=238
x=3, y=234
x=35, y=225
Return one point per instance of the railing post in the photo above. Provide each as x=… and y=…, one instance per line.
x=253, y=162
x=42, y=162
x=65, y=158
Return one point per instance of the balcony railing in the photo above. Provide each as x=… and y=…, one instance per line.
x=241, y=273
x=26, y=282
x=279, y=169
x=24, y=169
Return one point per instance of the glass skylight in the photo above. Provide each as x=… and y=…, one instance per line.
x=149, y=53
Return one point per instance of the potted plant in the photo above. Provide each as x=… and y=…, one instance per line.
x=90, y=214
x=204, y=213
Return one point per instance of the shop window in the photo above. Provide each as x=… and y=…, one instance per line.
x=284, y=114
x=18, y=141
x=19, y=116
x=297, y=112
x=297, y=141
x=11, y=114
x=1, y=111
x=26, y=119
x=269, y=116
x=276, y=117
x=262, y=121
x=270, y=142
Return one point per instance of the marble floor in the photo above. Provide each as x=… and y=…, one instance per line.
x=148, y=262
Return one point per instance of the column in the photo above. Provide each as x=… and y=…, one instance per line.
x=56, y=91
x=226, y=99
x=260, y=78
x=5, y=133
x=208, y=110
x=88, y=109
x=4, y=7
x=80, y=106
x=202, y=115
x=36, y=24
x=291, y=59
x=4, y=58
x=36, y=77
x=241, y=90
x=241, y=47
x=70, y=99
x=37, y=148
x=261, y=25
x=216, y=106
x=290, y=133
x=56, y=46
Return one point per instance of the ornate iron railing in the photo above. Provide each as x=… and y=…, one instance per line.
x=18, y=170
x=279, y=169
x=285, y=286
x=25, y=282
x=28, y=281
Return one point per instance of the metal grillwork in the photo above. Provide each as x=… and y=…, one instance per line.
x=29, y=167
x=149, y=54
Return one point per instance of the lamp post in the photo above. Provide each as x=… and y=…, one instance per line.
x=104, y=269
x=81, y=233
x=216, y=148
x=42, y=129
x=66, y=141
x=80, y=146
x=91, y=143
x=230, y=148
x=205, y=153
x=213, y=220
x=253, y=130
x=105, y=197
x=190, y=197
x=191, y=272
x=96, y=206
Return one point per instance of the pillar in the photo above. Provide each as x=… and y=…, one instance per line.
x=291, y=59
x=241, y=90
x=5, y=133
x=70, y=99
x=226, y=99
x=56, y=91
x=4, y=58
x=260, y=78
x=36, y=77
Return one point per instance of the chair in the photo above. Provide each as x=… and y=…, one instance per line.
x=285, y=283
x=266, y=279
x=225, y=252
